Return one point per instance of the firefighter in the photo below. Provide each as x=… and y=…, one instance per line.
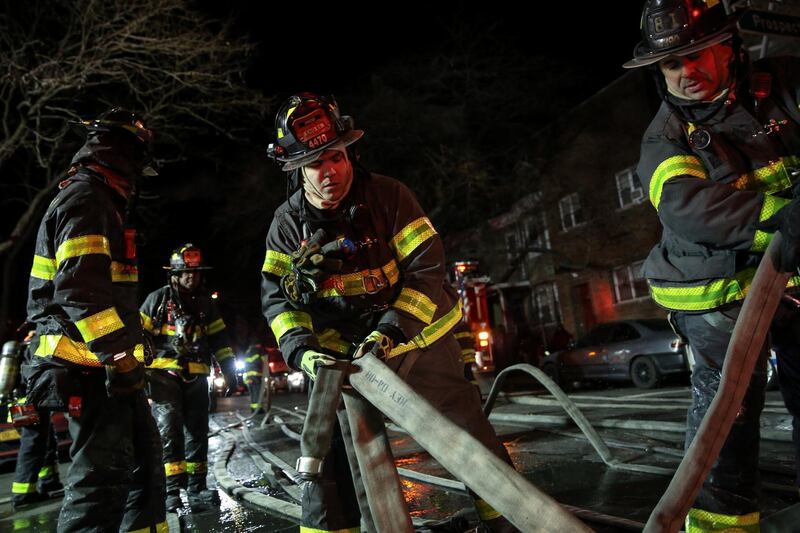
x=36, y=475
x=187, y=331
x=720, y=160
x=254, y=374
x=87, y=353
x=377, y=285
x=466, y=342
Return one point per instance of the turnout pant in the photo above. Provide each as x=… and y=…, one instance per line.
x=115, y=482
x=254, y=388
x=181, y=412
x=37, y=459
x=438, y=376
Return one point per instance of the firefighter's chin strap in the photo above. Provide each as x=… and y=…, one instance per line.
x=743, y=353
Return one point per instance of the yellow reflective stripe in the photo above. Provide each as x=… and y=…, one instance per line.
x=165, y=363
x=407, y=240
x=772, y=204
x=485, y=511
x=431, y=333
x=700, y=521
x=330, y=339
x=196, y=468
x=9, y=434
x=122, y=273
x=468, y=356
x=679, y=165
x=43, y=268
x=166, y=329
x=463, y=335
x=305, y=529
x=76, y=352
x=252, y=358
x=353, y=284
x=161, y=527
x=198, y=368
x=175, y=468
x=416, y=304
x=223, y=353
x=288, y=320
x=86, y=245
x=253, y=374
x=710, y=295
x=46, y=470
x=147, y=322
x=99, y=324
x=23, y=488
x=277, y=263
x=215, y=327
x=769, y=179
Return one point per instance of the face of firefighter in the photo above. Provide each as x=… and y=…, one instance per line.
x=699, y=76
x=189, y=280
x=327, y=180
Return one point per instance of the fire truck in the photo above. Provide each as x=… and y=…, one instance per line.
x=471, y=288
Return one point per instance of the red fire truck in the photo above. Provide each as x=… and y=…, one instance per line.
x=471, y=288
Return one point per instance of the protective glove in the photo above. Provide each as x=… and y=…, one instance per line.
x=787, y=221
x=124, y=376
x=377, y=344
x=312, y=360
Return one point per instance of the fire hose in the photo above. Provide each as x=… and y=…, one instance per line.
x=743, y=353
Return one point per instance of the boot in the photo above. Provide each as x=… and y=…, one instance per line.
x=22, y=501
x=49, y=485
x=173, y=501
x=203, y=499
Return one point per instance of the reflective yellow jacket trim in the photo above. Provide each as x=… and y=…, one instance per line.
x=468, y=356
x=99, y=324
x=304, y=529
x=9, y=434
x=485, y=511
x=253, y=374
x=76, y=352
x=463, y=335
x=679, y=165
x=86, y=245
x=175, y=468
x=252, y=358
x=43, y=268
x=277, y=263
x=46, y=470
x=700, y=521
x=223, y=353
x=407, y=240
x=710, y=295
x=169, y=363
x=147, y=322
x=772, y=204
x=196, y=468
x=769, y=179
x=416, y=304
x=330, y=339
x=431, y=333
x=161, y=527
x=215, y=327
x=23, y=488
x=288, y=320
x=122, y=273
x=354, y=284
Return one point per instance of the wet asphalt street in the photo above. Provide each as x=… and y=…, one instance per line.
x=638, y=427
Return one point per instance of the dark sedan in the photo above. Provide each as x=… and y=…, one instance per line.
x=643, y=351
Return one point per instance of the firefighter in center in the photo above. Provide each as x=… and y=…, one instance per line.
x=378, y=285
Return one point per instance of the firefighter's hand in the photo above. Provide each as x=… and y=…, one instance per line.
x=312, y=360
x=787, y=221
x=124, y=376
x=377, y=344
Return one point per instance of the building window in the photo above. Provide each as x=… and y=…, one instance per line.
x=546, y=307
x=629, y=188
x=571, y=212
x=537, y=237
x=629, y=284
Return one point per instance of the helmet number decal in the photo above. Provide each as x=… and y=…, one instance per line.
x=313, y=129
x=192, y=258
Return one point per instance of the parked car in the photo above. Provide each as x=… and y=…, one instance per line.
x=642, y=350
x=278, y=370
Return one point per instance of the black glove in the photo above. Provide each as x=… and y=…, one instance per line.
x=124, y=376
x=787, y=221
